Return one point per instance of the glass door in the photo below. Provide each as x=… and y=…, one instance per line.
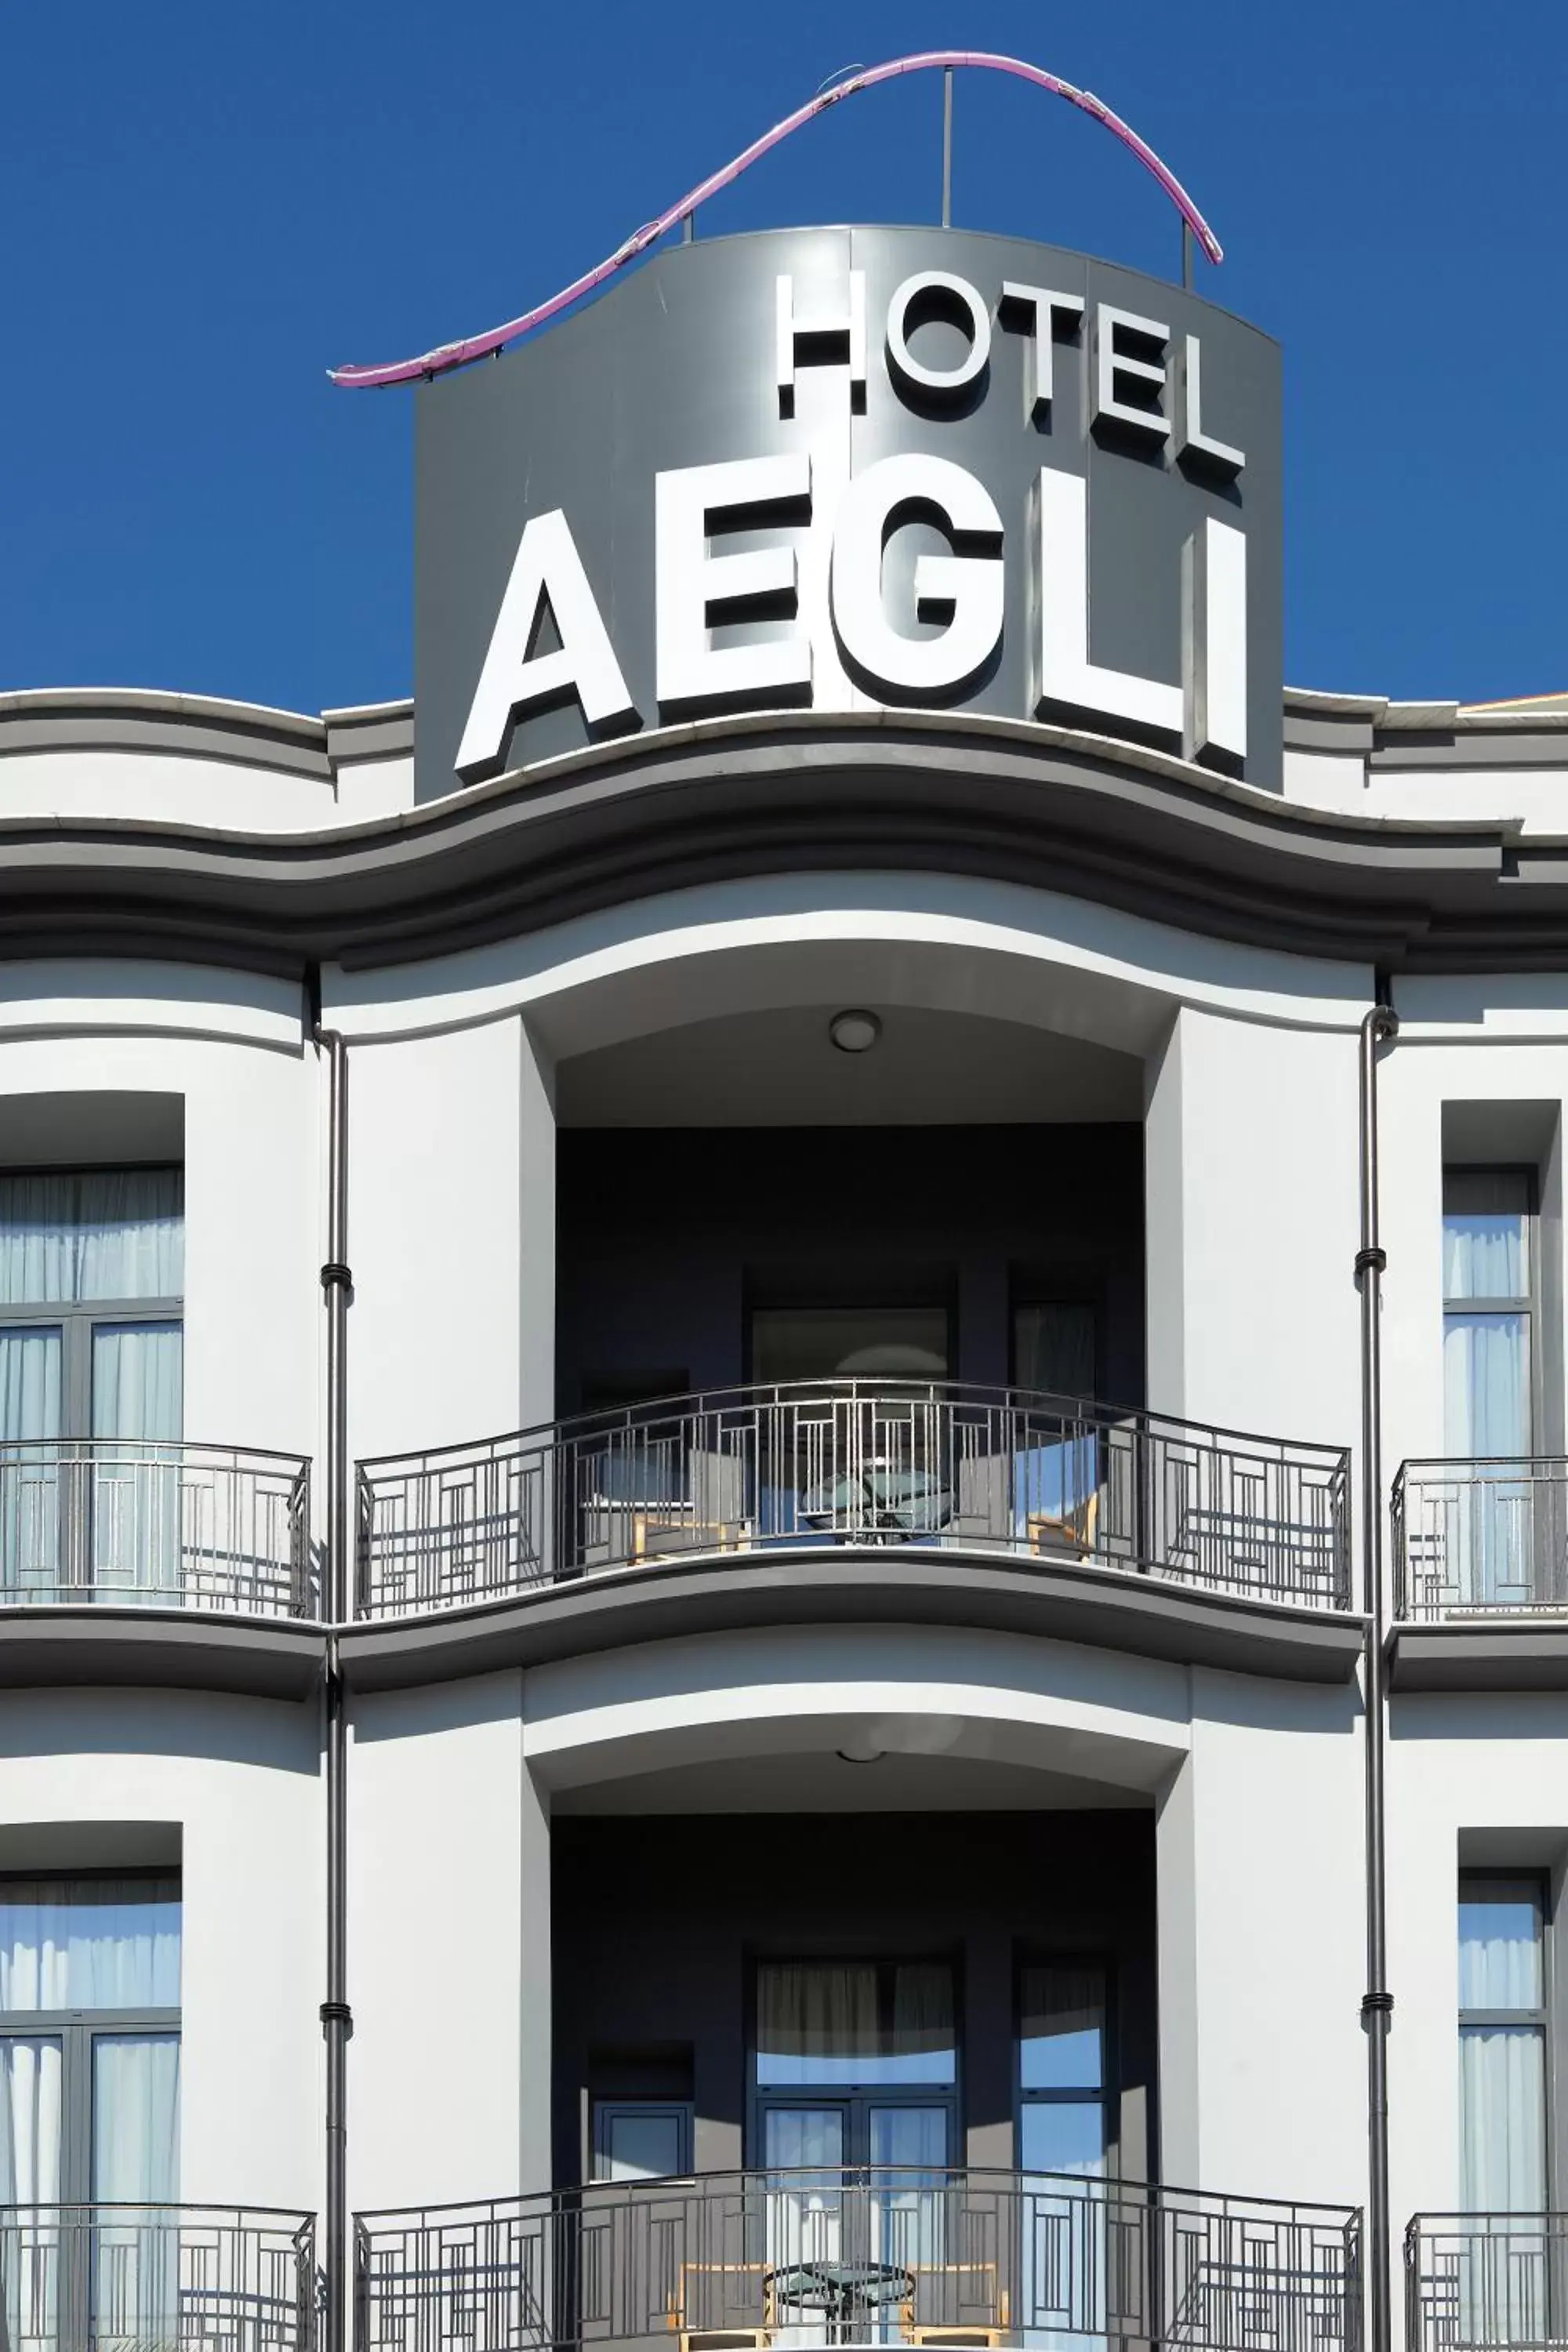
x=857, y=2120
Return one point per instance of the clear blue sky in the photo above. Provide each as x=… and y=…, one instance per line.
x=206, y=203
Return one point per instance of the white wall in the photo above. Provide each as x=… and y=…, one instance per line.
x=451, y=1195
x=1262, y=1943
x=448, y=1949
x=1252, y=1204
x=240, y=1778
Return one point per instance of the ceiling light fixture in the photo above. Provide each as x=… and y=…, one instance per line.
x=863, y=1748
x=854, y=1032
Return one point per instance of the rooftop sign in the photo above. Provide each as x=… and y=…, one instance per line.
x=841, y=468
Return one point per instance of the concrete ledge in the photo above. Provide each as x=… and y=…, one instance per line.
x=1527, y=1656
x=1100, y=1608
x=159, y=1649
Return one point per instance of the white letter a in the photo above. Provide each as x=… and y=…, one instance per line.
x=547, y=567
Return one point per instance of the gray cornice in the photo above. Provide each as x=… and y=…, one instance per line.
x=197, y=726
x=716, y=800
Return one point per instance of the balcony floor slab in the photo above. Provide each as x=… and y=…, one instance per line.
x=1525, y=1654
x=1100, y=1608
x=160, y=1649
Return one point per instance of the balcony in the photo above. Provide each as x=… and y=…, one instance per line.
x=86, y=2278
x=105, y=1542
x=997, y=1507
x=1486, y=2279
x=883, y=2256
x=1480, y=1574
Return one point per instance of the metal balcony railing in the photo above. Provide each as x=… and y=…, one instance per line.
x=148, y=1523
x=928, y=1465
x=1481, y=2280
x=1480, y=1537
x=882, y=2255
x=156, y=2278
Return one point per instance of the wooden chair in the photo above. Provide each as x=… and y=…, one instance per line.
x=961, y=2336
x=687, y=2304
x=1066, y=1532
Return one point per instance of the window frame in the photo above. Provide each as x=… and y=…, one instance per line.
x=76, y=1319
x=602, y=2114
x=77, y=2030
x=1527, y=1306
x=1539, y=2019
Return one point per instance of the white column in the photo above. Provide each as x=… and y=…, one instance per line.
x=441, y=1846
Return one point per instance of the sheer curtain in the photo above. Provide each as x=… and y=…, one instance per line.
x=30, y=1473
x=816, y=2022
x=138, y=1373
x=89, y=1944
x=1487, y=1378
x=1502, y=2076
x=104, y=1232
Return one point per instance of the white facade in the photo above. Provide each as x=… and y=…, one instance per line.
x=1192, y=1672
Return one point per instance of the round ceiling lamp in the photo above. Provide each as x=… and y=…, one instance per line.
x=854, y=1032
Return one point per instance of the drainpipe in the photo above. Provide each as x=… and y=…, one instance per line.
x=337, y=2021
x=1377, y=2002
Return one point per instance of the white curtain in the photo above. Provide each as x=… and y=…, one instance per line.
x=1502, y=2106
x=135, y=2162
x=89, y=1944
x=30, y=1473
x=30, y=2090
x=135, y=2118
x=1485, y=1385
x=102, y=1234
x=30, y=2106
x=137, y=1391
x=1485, y=1233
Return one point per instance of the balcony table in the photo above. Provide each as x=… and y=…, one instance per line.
x=884, y=1501
x=845, y=2293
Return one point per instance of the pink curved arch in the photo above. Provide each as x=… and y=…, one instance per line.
x=477, y=347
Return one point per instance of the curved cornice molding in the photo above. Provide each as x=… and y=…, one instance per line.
x=718, y=800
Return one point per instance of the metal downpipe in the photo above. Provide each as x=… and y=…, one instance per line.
x=1377, y=2002
x=337, y=2022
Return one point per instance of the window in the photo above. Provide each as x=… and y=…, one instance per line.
x=91, y=1273
x=641, y=2140
x=90, y=2041
x=1502, y=2044
x=1488, y=1271
x=1063, y=2087
x=1053, y=1348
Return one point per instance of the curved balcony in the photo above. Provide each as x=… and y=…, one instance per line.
x=969, y=2259
x=80, y=2278
x=146, y=1560
x=1480, y=1574
x=871, y=1499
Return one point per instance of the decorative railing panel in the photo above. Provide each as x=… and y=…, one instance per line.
x=1484, y=2280
x=156, y=2278
x=866, y=2257
x=143, y=1522
x=849, y=1462
x=1485, y=1537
